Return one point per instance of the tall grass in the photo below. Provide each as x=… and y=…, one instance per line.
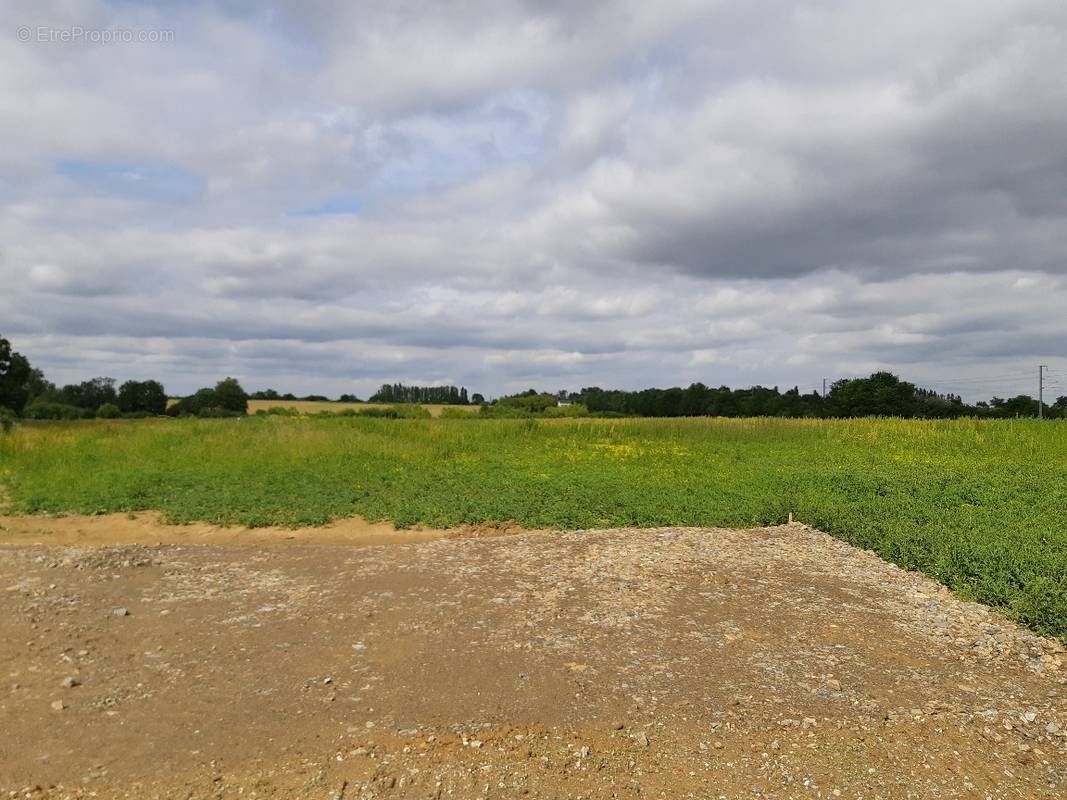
x=977, y=504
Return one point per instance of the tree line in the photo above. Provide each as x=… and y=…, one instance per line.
x=25, y=392
x=399, y=393
x=880, y=394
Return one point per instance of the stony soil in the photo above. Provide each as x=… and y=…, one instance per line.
x=679, y=663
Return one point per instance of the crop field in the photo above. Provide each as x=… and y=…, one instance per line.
x=977, y=505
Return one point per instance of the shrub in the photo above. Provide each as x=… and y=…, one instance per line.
x=530, y=401
x=407, y=411
x=573, y=410
x=386, y=413
x=227, y=399
x=108, y=411
x=451, y=412
x=46, y=410
x=7, y=419
x=218, y=413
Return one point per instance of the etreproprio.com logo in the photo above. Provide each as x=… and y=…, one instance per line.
x=77, y=34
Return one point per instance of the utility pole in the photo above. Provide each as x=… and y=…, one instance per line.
x=824, y=387
x=1041, y=390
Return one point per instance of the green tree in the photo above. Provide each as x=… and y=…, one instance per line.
x=148, y=396
x=90, y=394
x=230, y=396
x=882, y=394
x=108, y=411
x=15, y=377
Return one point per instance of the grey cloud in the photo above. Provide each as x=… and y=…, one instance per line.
x=514, y=192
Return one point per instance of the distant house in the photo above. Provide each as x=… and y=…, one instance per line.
x=564, y=403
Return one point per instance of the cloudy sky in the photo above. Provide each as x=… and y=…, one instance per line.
x=324, y=196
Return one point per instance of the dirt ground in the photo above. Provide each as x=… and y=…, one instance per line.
x=677, y=663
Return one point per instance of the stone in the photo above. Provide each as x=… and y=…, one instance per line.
x=120, y=611
x=70, y=682
x=58, y=705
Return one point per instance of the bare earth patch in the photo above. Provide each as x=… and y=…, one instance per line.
x=767, y=663
x=148, y=528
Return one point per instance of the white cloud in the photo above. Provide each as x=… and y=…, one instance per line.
x=331, y=195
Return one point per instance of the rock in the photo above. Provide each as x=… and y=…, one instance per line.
x=120, y=611
x=1052, y=727
x=642, y=739
x=1029, y=716
x=834, y=685
x=70, y=682
x=476, y=743
x=584, y=752
x=58, y=705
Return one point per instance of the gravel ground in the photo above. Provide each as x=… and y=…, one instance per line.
x=676, y=663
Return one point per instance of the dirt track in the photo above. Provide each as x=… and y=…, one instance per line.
x=672, y=663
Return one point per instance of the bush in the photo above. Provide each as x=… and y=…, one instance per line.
x=451, y=412
x=407, y=411
x=385, y=413
x=498, y=411
x=227, y=399
x=46, y=410
x=108, y=411
x=530, y=401
x=573, y=410
x=218, y=413
x=7, y=419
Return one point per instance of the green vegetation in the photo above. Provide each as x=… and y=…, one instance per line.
x=976, y=504
x=227, y=399
x=882, y=394
x=399, y=393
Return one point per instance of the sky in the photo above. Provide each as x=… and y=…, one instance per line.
x=321, y=197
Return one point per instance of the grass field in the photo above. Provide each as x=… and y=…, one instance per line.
x=315, y=406
x=977, y=505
